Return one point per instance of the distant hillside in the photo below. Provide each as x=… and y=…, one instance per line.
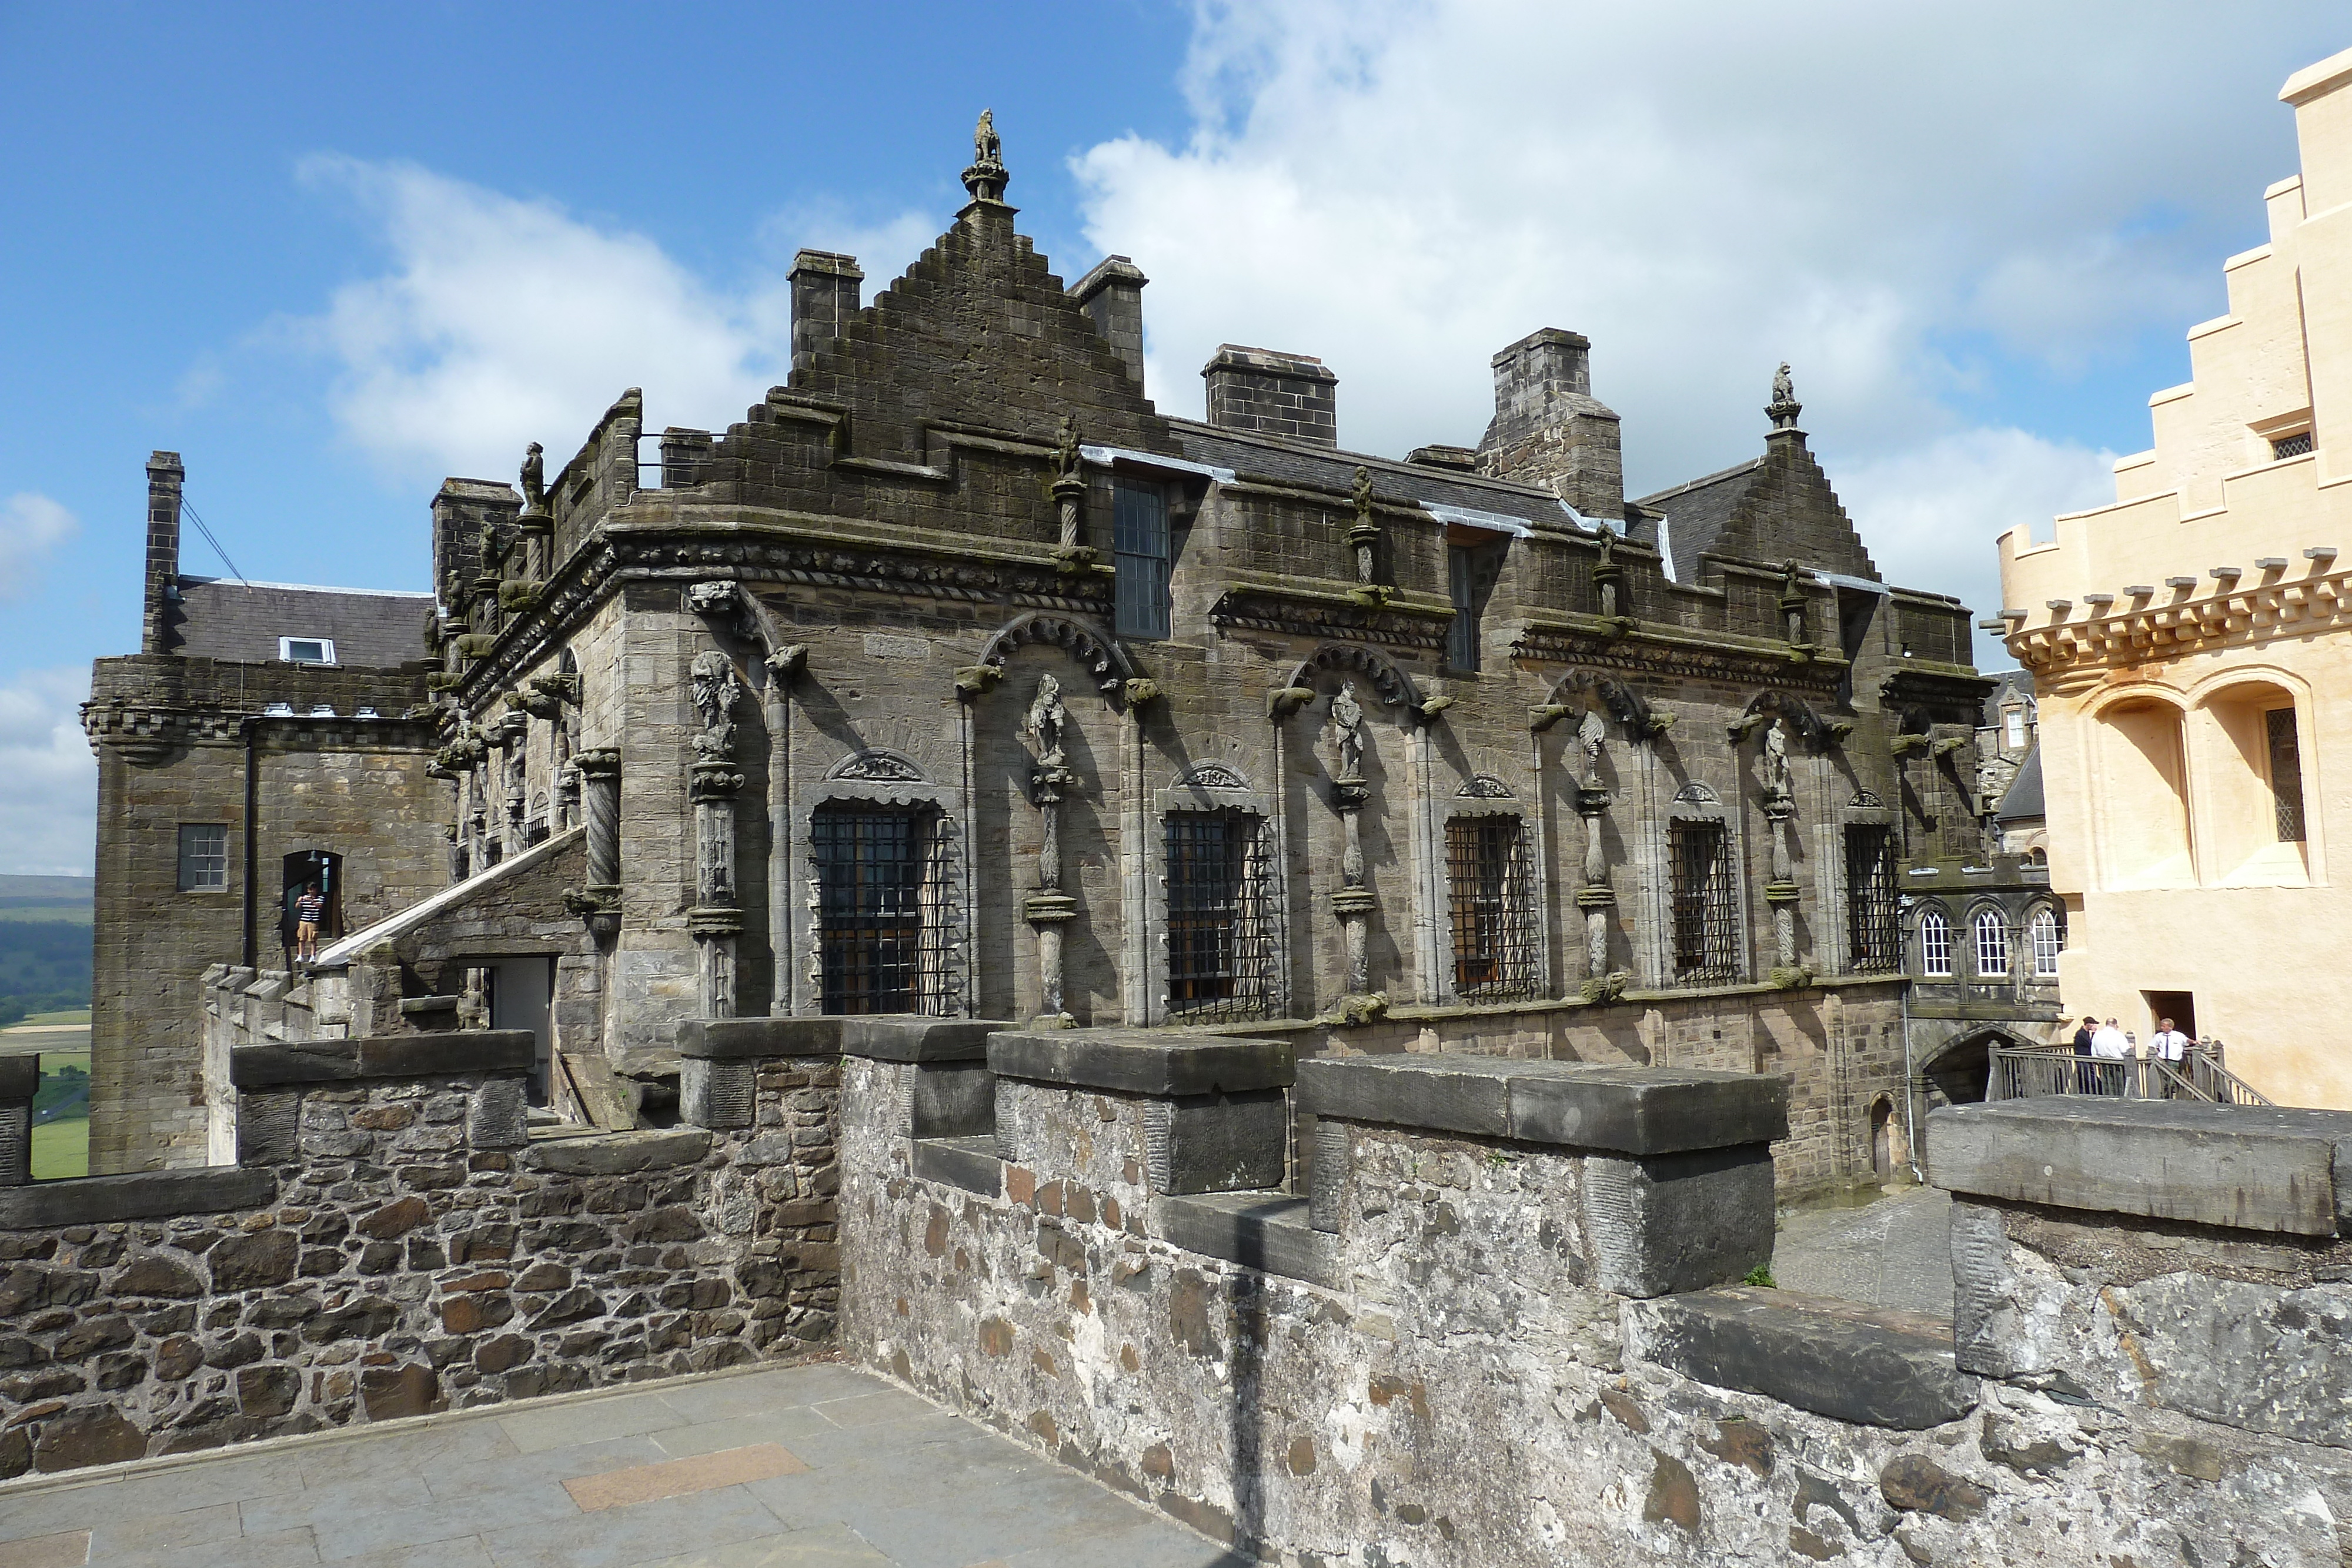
x=43, y=944
x=46, y=898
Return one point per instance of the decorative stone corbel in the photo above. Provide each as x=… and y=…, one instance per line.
x=1542, y=718
x=1738, y=731
x=786, y=663
x=975, y=680
x=1428, y=711
x=1907, y=744
x=1840, y=731
x=1284, y=701
x=1949, y=744
x=1139, y=692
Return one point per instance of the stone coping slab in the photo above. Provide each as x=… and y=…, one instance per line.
x=383, y=1056
x=139, y=1194
x=734, y=1039
x=1268, y=1231
x=621, y=1154
x=1628, y=1110
x=912, y=1036
x=2239, y=1167
x=1143, y=1060
x=1868, y=1365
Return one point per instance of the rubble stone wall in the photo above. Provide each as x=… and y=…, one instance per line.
x=1446, y=1377
x=391, y=1244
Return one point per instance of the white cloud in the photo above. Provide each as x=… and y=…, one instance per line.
x=504, y=321
x=49, y=779
x=1401, y=189
x=1935, y=509
x=30, y=526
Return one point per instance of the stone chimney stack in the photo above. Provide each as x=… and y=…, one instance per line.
x=1550, y=430
x=824, y=297
x=1273, y=395
x=1112, y=296
x=166, y=480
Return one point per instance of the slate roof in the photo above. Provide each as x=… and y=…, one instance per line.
x=1246, y=452
x=2023, y=801
x=1697, y=513
x=222, y=619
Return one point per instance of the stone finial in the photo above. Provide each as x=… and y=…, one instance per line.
x=1784, y=406
x=987, y=178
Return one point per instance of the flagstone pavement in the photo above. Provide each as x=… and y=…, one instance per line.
x=781, y=1468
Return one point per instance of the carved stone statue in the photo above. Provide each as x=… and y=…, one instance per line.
x=1783, y=389
x=985, y=146
x=1608, y=562
x=534, y=481
x=1047, y=718
x=1066, y=448
x=1347, y=724
x=716, y=692
x=1363, y=495
x=1776, y=758
x=1589, y=733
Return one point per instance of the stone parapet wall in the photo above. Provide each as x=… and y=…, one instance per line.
x=1440, y=1356
x=392, y=1244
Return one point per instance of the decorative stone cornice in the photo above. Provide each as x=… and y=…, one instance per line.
x=2103, y=638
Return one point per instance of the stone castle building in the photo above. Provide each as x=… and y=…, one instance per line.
x=956, y=679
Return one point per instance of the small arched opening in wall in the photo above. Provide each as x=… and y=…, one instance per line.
x=2250, y=770
x=1885, y=1138
x=2143, y=824
x=1962, y=1072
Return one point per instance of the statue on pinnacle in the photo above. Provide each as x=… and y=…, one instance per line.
x=986, y=178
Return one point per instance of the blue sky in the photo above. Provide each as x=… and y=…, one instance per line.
x=332, y=253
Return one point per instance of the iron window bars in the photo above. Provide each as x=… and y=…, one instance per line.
x=882, y=929
x=1873, y=919
x=1706, y=909
x=2286, y=773
x=1493, y=908
x=1220, y=948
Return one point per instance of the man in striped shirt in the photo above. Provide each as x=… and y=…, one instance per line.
x=309, y=908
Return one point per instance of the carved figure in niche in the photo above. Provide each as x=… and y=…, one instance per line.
x=1783, y=389
x=1608, y=562
x=985, y=146
x=716, y=692
x=1776, y=758
x=1065, y=447
x=1346, y=725
x=534, y=480
x=1363, y=495
x=1589, y=733
x=1046, y=719
x=487, y=544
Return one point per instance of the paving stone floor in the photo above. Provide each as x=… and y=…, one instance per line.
x=785, y=1468
x=1896, y=1252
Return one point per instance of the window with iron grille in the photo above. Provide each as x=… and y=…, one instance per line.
x=881, y=917
x=1873, y=921
x=2295, y=445
x=1991, y=943
x=1220, y=951
x=1493, y=910
x=1705, y=908
x=2045, y=939
x=2286, y=773
x=1141, y=553
x=1935, y=946
x=203, y=857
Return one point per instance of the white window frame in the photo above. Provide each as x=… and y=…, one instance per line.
x=1989, y=945
x=1935, y=946
x=2043, y=939
x=326, y=649
x=213, y=861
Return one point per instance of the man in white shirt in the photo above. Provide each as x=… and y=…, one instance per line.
x=2170, y=1047
x=2109, y=1044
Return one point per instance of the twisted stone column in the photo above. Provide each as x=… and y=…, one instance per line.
x=714, y=920
x=600, y=780
x=1354, y=903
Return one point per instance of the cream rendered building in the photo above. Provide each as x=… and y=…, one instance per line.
x=2191, y=647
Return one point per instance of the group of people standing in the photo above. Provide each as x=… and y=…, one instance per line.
x=2096, y=1042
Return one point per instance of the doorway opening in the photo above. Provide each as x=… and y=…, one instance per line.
x=521, y=995
x=302, y=868
x=2180, y=1006
x=1882, y=1138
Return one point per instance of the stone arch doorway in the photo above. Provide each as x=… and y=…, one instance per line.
x=1961, y=1072
x=1882, y=1138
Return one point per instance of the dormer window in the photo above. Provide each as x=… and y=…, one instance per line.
x=306, y=649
